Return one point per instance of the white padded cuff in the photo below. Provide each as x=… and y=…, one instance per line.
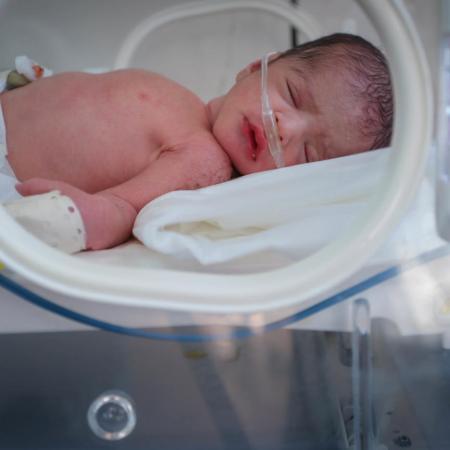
x=53, y=218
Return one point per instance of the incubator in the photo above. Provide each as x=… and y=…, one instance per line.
x=256, y=326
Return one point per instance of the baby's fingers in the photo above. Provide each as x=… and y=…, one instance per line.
x=37, y=186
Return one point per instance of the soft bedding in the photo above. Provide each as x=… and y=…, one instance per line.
x=292, y=211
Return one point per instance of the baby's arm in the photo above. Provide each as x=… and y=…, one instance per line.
x=109, y=215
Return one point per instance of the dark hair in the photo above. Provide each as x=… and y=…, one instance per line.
x=370, y=76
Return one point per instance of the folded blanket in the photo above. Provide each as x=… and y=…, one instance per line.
x=293, y=211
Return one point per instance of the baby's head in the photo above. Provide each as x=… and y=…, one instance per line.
x=331, y=97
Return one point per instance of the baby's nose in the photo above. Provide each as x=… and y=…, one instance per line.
x=281, y=131
x=292, y=128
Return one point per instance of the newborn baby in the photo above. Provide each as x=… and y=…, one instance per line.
x=113, y=142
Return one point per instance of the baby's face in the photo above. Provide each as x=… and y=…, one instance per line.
x=316, y=115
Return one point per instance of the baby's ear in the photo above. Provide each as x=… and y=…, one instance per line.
x=255, y=65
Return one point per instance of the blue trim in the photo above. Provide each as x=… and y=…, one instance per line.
x=358, y=288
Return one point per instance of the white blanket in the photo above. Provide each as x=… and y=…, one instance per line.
x=293, y=211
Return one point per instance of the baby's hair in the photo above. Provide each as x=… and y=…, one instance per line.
x=369, y=71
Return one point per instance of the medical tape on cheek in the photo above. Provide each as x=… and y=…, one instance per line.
x=53, y=218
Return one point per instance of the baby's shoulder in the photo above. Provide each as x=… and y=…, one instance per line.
x=154, y=90
x=140, y=78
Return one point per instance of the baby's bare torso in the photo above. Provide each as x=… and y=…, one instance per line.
x=98, y=131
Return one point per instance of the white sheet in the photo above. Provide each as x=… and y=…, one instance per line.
x=293, y=211
x=7, y=179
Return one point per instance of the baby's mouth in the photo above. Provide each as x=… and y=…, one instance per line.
x=255, y=138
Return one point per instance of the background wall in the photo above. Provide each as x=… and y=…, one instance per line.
x=204, y=54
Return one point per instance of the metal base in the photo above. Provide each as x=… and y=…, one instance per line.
x=284, y=390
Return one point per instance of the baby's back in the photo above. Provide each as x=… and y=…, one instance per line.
x=97, y=131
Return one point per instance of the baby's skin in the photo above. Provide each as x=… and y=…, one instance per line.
x=113, y=142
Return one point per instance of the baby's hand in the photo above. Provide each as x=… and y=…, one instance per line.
x=36, y=186
x=85, y=202
x=108, y=219
x=48, y=210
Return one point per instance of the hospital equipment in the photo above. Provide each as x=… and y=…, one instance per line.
x=324, y=360
x=269, y=121
x=332, y=263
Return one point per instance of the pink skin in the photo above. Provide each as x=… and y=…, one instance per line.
x=112, y=143
x=116, y=141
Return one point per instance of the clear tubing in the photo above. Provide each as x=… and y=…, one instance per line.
x=362, y=389
x=268, y=117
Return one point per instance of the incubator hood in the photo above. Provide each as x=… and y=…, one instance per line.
x=298, y=284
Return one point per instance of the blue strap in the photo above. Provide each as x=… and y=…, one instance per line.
x=238, y=333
